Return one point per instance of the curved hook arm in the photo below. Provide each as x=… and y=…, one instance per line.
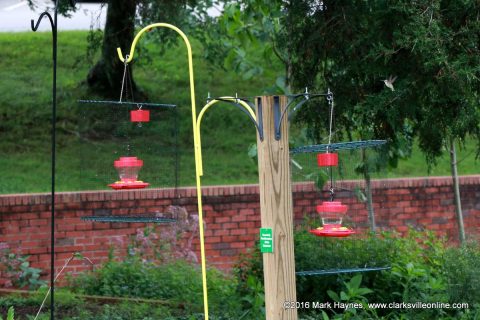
x=242, y=105
x=44, y=14
x=190, y=69
x=306, y=97
x=147, y=29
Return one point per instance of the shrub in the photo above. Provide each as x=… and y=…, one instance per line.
x=461, y=272
x=422, y=269
x=178, y=282
x=17, y=269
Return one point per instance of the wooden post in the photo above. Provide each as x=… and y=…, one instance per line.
x=276, y=211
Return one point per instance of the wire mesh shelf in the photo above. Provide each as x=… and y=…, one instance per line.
x=128, y=103
x=339, y=271
x=129, y=219
x=338, y=146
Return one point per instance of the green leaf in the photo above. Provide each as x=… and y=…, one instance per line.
x=252, y=152
x=355, y=282
x=78, y=255
x=10, y=314
x=249, y=74
x=363, y=291
x=333, y=295
x=325, y=315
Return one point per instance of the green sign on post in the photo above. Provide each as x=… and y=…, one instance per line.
x=266, y=240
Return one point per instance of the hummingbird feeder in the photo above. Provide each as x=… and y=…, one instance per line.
x=331, y=212
x=128, y=168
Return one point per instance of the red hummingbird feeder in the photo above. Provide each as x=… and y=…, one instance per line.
x=128, y=168
x=332, y=213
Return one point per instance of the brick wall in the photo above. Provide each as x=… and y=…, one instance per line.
x=232, y=215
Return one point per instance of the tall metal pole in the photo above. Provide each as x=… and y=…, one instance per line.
x=276, y=209
x=53, y=23
x=456, y=191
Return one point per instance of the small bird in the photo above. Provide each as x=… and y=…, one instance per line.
x=389, y=82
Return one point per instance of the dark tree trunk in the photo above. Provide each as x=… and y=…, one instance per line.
x=106, y=76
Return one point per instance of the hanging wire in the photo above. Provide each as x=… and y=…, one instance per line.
x=330, y=103
x=123, y=78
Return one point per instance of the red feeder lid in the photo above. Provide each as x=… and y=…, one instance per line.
x=332, y=206
x=127, y=162
x=332, y=232
x=327, y=159
x=140, y=115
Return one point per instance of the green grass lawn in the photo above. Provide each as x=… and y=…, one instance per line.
x=25, y=109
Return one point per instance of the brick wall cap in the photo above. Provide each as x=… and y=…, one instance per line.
x=225, y=190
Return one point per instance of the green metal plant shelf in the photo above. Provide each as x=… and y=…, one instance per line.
x=129, y=219
x=338, y=146
x=338, y=271
x=143, y=104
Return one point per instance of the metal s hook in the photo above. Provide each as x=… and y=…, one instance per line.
x=35, y=26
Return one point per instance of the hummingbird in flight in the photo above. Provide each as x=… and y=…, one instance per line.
x=389, y=82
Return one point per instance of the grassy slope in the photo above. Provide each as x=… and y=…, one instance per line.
x=25, y=99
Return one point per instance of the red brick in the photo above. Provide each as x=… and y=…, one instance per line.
x=239, y=218
x=34, y=250
x=238, y=232
x=247, y=225
x=212, y=239
x=230, y=226
x=229, y=238
x=237, y=245
x=81, y=241
x=222, y=219
x=221, y=232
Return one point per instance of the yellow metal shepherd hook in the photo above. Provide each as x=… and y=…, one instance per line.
x=196, y=141
x=235, y=100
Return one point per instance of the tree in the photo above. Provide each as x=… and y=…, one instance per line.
x=122, y=18
x=105, y=77
x=430, y=47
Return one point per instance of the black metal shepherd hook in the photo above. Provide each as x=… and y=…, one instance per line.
x=279, y=114
x=53, y=23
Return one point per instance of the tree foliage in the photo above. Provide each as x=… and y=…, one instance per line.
x=430, y=46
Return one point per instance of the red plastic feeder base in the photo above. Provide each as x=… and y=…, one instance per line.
x=128, y=185
x=327, y=159
x=332, y=231
x=140, y=116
